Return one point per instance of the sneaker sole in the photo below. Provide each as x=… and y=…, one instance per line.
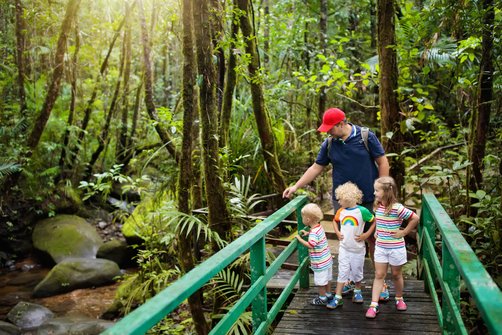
x=357, y=301
x=330, y=307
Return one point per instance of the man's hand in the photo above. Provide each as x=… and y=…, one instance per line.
x=288, y=193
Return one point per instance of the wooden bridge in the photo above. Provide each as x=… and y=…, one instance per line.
x=445, y=262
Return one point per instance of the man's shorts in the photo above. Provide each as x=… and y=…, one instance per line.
x=394, y=257
x=322, y=278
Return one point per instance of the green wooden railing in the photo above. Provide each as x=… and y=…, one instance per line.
x=455, y=263
x=154, y=310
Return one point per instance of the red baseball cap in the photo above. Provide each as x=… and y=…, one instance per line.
x=330, y=118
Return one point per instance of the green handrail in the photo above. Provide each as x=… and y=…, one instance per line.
x=154, y=310
x=458, y=261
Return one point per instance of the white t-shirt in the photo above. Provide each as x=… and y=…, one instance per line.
x=351, y=225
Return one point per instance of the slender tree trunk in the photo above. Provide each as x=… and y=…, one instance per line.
x=94, y=94
x=71, y=113
x=150, y=105
x=103, y=137
x=53, y=91
x=323, y=37
x=231, y=79
x=480, y=121
x=219, y=218
x=187, y=242
x=263, y=123
x=266, y=32
x=389, y=107
x=20, y=58
x=217, y=32
x=123, y=140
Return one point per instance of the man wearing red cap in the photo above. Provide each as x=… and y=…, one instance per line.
x=349, y=157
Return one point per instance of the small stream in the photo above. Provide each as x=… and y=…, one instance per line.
x=17, y=285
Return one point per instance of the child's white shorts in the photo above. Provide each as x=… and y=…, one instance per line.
x=322, y=278
x=394, y=257
x=350, y=265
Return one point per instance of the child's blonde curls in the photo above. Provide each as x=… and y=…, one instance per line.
x=349, y=191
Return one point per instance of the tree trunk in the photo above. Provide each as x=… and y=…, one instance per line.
x=123, y=140
x=150, y=105
x=187, y=242
x=266, y=32
x=373, y=29
x=63, y=159
x=219, y=218
x=103, y=137
x=20, y=58
x=480, y=121
x=94, y=94
x=53, y=91
x=217, y=12
x=389, y=107
x=263, y=123
x=231, y=78
x=323, y=38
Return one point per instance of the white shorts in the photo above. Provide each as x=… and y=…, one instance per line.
x=322, y=278
x=394, y=257
x=350, y=265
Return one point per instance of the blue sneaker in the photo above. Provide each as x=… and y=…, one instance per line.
x=384, y=295
x=358, y=297
x=318, y=301
x=348, y=288
x=334, y=303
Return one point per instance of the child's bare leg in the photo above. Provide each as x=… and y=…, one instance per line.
x=339, y=287
x=380, y=272
x=358, y=285
x=397, y=277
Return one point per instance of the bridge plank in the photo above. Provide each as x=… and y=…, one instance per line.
x=302, y=318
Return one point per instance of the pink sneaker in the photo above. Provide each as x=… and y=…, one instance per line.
x=401, y=305
x=372, y=312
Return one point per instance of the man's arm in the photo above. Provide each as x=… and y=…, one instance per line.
x=383, y=166
x=312, y=172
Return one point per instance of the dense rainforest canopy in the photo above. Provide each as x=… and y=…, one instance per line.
x=178, y=105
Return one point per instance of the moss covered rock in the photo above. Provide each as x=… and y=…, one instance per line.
x=66, y=236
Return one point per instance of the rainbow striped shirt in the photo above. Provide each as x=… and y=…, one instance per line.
x=388, y=224
x=320, y=255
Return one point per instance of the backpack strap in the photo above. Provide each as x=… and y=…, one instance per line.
x=330, y=141
x=364, y=136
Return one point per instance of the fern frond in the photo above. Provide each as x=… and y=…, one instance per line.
x=8, y=168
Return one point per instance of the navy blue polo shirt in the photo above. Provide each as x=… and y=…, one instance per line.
x=352, y=162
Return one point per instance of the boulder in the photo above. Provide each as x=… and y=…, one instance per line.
x=8, y=329
x=66, y=236
x=116, y=251
x=75, y=273
x=73, y=325
x=26, y=315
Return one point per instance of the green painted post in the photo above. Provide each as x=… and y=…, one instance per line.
x=258, y=268
x=426, y=224
x=451, y=277
x=302, y=253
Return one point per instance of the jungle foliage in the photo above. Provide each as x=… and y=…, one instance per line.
x=92, y=101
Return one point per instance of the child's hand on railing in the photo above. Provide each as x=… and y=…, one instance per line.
x=303, y=232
